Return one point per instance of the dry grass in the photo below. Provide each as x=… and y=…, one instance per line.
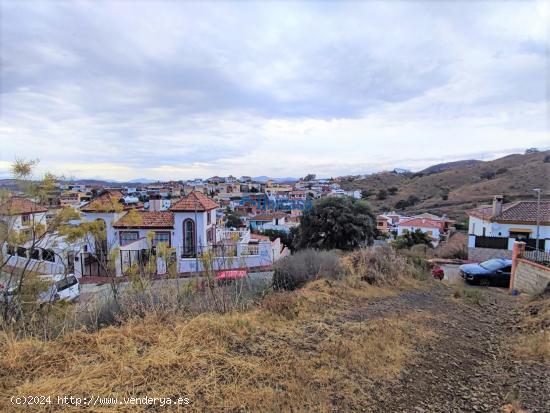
x=295, y=351
x=534, y=340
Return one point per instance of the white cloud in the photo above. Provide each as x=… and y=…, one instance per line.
x=179, y=89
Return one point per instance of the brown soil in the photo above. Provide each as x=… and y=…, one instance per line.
x=471, y=366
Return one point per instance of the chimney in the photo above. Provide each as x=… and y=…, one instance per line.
x=497, y=205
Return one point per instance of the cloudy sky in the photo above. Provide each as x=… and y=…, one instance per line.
x=178, y=89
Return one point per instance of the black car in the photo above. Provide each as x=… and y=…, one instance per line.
x=492, y=272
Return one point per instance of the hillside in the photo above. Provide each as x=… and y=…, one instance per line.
x=463, y=186
x=440, y=167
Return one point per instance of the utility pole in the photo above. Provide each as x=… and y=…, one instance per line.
x=537, y=190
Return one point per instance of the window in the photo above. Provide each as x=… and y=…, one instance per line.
x=26, y=219
x=188, y=238
x=65, y=283
x=127, y=237
x=519, y=235
x=208, y=217
x=48, y=255
x=21, y=252
x=161, y=237
x=35, y=254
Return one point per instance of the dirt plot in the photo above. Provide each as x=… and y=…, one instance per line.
x=332, y=346
x=472, y=365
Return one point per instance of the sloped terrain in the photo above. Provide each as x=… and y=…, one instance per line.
x=452, y=191
x=328, y=347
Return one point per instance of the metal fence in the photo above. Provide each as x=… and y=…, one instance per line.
x=540, y=257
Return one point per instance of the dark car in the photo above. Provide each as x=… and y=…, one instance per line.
x=492, y=272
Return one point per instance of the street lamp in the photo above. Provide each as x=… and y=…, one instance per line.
x=537, y=190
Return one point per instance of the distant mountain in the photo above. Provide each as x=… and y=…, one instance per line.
x=142, y=181
x=440, y=167
x=455, y=187
x=264, y=178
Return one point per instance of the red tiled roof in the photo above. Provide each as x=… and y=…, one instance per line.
x=146, y=219
x=421, y=223
x=109, y=201
x=194, y=201
x=18, y=205
x=262, y=217
x=521, y=212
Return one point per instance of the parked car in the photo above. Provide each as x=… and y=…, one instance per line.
x=492, y=272
x=63, y=288
x=227, y=277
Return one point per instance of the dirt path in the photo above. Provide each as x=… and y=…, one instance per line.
x=468, y=367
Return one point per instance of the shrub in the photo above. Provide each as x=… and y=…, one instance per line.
x=487, y=175
x=382, y=194
x=378, y=266
x=294, y=271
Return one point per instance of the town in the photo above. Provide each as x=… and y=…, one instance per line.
x=271, y=206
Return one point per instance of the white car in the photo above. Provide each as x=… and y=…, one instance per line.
x=63, y=288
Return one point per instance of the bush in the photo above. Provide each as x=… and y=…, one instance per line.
x=306, y=265
x=379, y=266
x=382, y=194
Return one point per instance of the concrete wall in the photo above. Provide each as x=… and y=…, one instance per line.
x=530, y=277
x=484, y=254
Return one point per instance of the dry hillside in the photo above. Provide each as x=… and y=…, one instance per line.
x=463, y=186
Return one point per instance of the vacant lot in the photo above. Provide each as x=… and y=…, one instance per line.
x=331, y=346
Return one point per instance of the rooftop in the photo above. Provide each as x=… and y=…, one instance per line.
x=521, y=212
x=146, y=219
x=194, y=201
x=19, y=205
x=109, y=201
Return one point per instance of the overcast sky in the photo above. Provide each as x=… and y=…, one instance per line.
x=177, y=89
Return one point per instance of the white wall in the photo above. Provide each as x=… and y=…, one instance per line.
x=495, y=229
x=402, y=229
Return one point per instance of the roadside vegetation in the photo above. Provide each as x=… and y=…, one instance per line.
x=284, y=350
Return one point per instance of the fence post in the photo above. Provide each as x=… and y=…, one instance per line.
x=517, y=251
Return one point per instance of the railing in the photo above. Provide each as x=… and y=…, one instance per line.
x=235, y=235
x=250, y=250
x=540, y=257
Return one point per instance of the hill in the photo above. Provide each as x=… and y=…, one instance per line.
x=459, y=187
x=440, y=167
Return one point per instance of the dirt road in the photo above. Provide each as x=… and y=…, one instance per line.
x=469, y=366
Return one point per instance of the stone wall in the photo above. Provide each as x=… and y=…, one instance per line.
x=530, y=277
x=484, y=254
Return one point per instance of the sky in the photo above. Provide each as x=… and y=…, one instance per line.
x=179, y=89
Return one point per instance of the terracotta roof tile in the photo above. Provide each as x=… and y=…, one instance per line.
x=421, y=223
x=517, y=212
x=109, y=201
x=146, y=219
x=18, y=205
x=194, y=201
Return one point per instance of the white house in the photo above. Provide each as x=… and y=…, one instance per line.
x=431, y=227
x=498, y=226
x=189, y=227
x=49, y=253
x=19, y=214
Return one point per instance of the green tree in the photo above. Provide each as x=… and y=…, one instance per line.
x=232, y=220
x=412, y=238
x=336, y=223
x=382, y=194
x=286, y=237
